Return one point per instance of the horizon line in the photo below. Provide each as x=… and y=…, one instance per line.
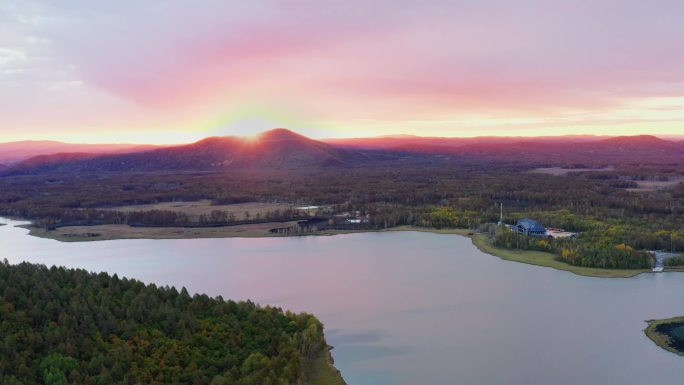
x=333, y=139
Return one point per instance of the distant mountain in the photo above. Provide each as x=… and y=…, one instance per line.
x=640, y=143
x=572, y=149
x=643, y=147
x=406, y=141
x=622, y=149
x=13, y=152
x=278, y=148
x=52, y=160
x=284, y=149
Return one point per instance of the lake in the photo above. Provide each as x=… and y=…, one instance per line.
x=412, y=308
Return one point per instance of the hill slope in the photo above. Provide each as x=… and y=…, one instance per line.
x=406, y=141
x=284, y=149
x=64, y=326
x=13, y=152
x=278, y=148
x=616, y=150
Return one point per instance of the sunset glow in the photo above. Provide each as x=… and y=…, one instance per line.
x=173, y=71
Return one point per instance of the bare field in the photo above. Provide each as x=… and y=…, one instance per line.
x=560, y=171
x=110, y=232
x=655, y=185
x=196, y=208
x=643, y=185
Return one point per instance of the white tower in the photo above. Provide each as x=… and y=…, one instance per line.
x=501, y=218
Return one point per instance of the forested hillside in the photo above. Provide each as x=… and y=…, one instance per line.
x=624, y=195
x=278, y=148
x=61, y=326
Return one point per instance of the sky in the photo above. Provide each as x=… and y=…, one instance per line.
x=175, y=71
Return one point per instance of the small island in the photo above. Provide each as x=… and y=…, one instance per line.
x=667, y=333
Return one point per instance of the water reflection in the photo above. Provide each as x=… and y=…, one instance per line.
x=413, y=308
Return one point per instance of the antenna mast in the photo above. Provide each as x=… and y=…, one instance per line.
x=501, y=218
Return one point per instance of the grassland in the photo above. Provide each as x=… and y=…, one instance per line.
x=194, y=209
x=538, y=258
x=541, y=258
x=655, y=185
x=463, y=232
x=257, y=230
x=661, y=339
x=560, y=171
x=111, y=232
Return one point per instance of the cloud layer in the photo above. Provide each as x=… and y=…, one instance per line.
x=132, y=69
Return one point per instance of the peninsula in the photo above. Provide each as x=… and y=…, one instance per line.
x=667, y=333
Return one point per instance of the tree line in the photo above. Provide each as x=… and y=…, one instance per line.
x=587, y=251
x=444, y=194
x=63, y=326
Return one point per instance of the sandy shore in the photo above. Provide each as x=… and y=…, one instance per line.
x=112, y=232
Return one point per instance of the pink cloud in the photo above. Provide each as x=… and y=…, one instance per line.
x=387, y=59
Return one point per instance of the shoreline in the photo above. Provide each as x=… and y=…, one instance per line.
x=319, y=370
x=545, y=259
x=322, y=369
x=660, y=339
x=479, y=240
x=529, y=257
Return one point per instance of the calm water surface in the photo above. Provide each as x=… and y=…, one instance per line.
x=413, y=308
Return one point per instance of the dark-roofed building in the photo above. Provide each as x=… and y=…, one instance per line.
x=530, y=227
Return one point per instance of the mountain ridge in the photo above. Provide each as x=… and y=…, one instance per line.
x=278, y=148
x=284, y=149
x=14, y=152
